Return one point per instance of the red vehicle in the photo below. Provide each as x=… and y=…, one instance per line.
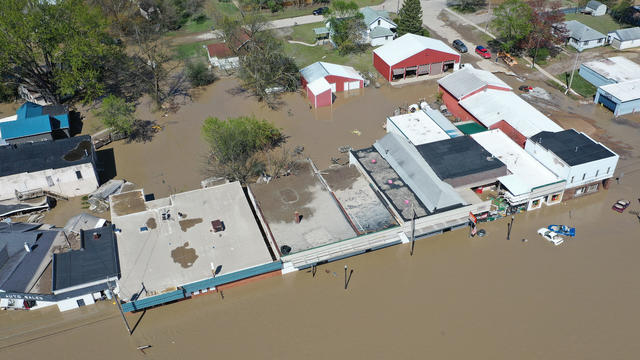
x=621, y=205
x=483, y=51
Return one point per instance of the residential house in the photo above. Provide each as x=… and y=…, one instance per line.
x=625, y=38
x=33, y=122
x=581, y=36
x=380, y=28
x=225, y=56
x=585, y=164
x=595, y=8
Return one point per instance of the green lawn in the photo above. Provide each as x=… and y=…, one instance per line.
x=305, y=55
x=305, y=32
x=603, y=24
x=579, y=84
x=190, y=51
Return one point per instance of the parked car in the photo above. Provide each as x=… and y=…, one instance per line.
x=320, y=11
x=550, y=236
x=483, y=51
x=562, y=230
x=460, y=46
x=621, y=205
x=525, y=88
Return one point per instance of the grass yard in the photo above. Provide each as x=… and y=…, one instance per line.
x=579, y=84
x=603, y=24
x=305, y=55
x=305, y=32
x=190, y=51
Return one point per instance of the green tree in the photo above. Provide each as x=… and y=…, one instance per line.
x=512, y=22
x=467, y=6
x=59, y=49
x=347, y=27
x=117, y=114
x=410, y=18
x=238, y=144
x=199, y=74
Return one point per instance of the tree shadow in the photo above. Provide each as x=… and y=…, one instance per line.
x=143, y=131
x=106, y=165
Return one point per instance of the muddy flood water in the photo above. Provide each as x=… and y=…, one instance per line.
x=455, y=298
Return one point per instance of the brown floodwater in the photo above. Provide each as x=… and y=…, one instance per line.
x=455, y=298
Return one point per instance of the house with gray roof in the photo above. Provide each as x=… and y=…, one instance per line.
x=595, y=8
x=625, y=38
x=380, y=28
x=581, y=36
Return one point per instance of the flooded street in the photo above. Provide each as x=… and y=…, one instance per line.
x=485, y=298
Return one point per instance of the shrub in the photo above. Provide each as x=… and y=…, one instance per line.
x=199, y=74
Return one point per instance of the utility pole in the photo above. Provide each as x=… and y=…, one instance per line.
x=535, y=54
x=486, y=26
x=573, y=71
x=115, y=297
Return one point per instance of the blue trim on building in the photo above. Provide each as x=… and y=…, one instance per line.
x=593, y=77
x=209, y=283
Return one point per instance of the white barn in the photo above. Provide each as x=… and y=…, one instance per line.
x=625, y=38
x=595, y=8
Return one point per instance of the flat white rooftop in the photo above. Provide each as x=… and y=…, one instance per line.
x=617, y=68
x=182, y=249
x=624, y=91
x=418, y=127
x=526, y=172
x=491, y=106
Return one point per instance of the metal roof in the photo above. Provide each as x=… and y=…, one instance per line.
x=418, y=127
x=405, y=159
x=458, y=157
x=627, y=34
x=617, y=68
x=321, y=30
x=594, y=5
x=491, y=106
x=526, y=172
x=319, y=86
x=33, y=119
x=96, y=260
x=371, y=15
x=322, y=69
x=624, y=91
x=573, y=147
x=83, y=221
x=41, y=155
x=408, y=45
x=467, y=80
x=443, y=122
x=380, y=31
x=582, y=32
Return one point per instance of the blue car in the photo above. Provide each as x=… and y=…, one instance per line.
x=562, y=230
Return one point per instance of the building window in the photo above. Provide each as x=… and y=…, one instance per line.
x=572, y=179
x=597, y=171
x=584, y=176
x=78, y=175
x=50, y=181
x=555, y=197
x=608, y=169
x=580, y=191
x=592, y=188
x=600, y=41
x=379, y=22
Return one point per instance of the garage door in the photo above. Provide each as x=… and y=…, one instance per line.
x=436, y=68
x=353, y=85
x=333, y=87
x=608, y=103
x=423, y=69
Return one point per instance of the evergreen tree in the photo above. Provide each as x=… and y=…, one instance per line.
x=410, y=18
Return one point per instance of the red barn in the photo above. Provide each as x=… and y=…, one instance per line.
x=464, y=83
x=339, y=78
x=319, y=93
x=414, y=55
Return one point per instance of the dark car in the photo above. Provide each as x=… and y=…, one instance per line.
x=525, y=88
x=483, y=51
x=320, y=11
x=460, y=46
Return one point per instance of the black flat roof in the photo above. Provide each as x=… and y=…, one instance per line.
x=17, y=266
x=96, y=260
x=456, y=157
x=571, y=146
x=41, y=155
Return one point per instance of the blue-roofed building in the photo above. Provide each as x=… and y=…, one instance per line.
x=33, y=122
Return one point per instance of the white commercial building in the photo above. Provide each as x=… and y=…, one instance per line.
x=528, y=180
x=417, y=127
x=583, y=163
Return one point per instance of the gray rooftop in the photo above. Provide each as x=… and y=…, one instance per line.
x=96, y=260
x=594, y=5
x=183, y=248
x=573, y=147
x=423, y=181
x=467, y=80
x=41, y=155
x=370, y=15
x=582, y=32
x=628, y=34
x=380, y=31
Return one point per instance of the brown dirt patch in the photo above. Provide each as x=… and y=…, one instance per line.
x=151, y=223
x=128, y=203
x=341, y=178
x=184, y=256
x=189, y=223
